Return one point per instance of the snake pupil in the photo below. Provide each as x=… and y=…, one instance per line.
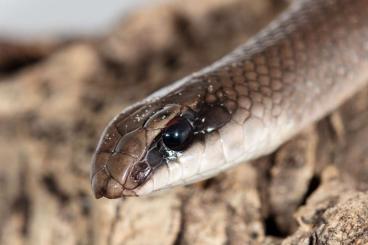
x=178, y=135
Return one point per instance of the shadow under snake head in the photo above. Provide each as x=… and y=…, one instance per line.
x=156, y=144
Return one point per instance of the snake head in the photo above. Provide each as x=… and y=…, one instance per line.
x=157, y=144
x=131, y=149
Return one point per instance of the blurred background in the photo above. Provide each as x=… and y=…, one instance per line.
x=68, y=67
x=30, y=19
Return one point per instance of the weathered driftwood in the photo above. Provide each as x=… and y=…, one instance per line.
x=52, y=110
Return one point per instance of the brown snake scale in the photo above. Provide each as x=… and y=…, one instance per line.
x=303, y=65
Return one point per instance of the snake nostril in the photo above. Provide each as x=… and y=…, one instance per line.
x=140, y=171
x=138, y=175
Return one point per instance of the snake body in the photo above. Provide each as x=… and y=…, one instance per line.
x=303, y=65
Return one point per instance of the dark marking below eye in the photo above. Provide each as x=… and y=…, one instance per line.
x=154, y=158
x=213, y=118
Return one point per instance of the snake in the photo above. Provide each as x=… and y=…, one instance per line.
x=304, y=64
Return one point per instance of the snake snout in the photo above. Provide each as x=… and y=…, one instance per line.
x=108, y=180
x=105, y=186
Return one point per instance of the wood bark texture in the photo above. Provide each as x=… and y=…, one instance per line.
x=55, y=99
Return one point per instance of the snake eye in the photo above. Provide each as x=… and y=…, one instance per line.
x=178, y=135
